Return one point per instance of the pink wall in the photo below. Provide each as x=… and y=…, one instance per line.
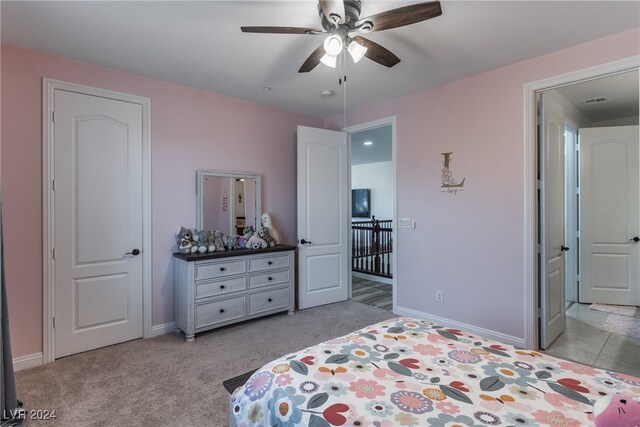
x=190, y=129
x=471, y=245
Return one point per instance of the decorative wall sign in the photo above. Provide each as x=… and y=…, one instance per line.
x=449, y=183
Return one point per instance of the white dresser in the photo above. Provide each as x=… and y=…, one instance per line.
x=220, y=288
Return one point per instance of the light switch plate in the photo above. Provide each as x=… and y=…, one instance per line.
x=406, y=223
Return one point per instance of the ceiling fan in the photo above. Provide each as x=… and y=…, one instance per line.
x=341, y=18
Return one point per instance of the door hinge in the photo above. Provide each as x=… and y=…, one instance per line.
x=53, y=116
x=539, y=184
x=577, y=277
x=539, y=248
x=539, y=313
x=53, y=253
x=54, y=322
x=53, y=185
x=539, y=120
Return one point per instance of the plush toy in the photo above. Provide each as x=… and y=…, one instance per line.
x=184, y=238
x=242, y=242
x=267, y=223
x=264, y=235
x=194, y=241
x=211, y=247
x=247, y=232
x=231, y=242
x=256, y=242
x=218, y=240
x=202, y=238
x=617, y=410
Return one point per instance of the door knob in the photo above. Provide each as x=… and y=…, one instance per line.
x=635, y=239
x=134, y=252
x=563, y=248
x=305, y=242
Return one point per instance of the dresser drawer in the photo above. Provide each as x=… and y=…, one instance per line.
x=267, y=263
x=268, y=300
x=271, y=278
x=219, y=311
x=220, y=287
x=214, y=270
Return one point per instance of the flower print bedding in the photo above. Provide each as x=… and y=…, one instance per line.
x=408, y=372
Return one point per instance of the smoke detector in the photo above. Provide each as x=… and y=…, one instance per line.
x=326, y=93
x=594, y=100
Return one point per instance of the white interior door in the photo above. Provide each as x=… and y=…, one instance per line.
x=552, y=309
x=609, y=216
x=323, y=224
x=97, y=221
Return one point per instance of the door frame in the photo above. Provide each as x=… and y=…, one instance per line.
x=385, y=121
x=530, y=91
x=571, y=213
x=48, y=282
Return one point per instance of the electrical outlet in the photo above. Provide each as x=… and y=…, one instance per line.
x=439, y=296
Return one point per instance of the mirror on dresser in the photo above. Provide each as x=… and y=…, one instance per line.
x=227, y=201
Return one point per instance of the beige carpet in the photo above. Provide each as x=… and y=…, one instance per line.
x=622, y=310
x=164, y=381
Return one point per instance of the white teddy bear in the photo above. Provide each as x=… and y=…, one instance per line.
x=267, y=223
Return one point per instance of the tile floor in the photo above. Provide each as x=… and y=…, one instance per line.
x=584, y=342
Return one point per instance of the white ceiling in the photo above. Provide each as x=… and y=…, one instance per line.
x=620, y=90
x=378, y=151
x=199, y=43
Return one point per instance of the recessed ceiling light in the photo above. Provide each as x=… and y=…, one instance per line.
x=367, y=143
x=266, y=89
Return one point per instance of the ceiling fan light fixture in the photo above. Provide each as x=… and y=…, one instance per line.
x=356, y=50
x=333, y=45
x=329, y=60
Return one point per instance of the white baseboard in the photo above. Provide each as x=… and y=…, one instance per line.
x=373, y=278
x=27, y=361
x=475, y=330
x=163, y=329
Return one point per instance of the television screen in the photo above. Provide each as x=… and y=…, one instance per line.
x=361, y=203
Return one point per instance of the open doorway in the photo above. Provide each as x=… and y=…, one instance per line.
x=372, y=214
x=589, y=262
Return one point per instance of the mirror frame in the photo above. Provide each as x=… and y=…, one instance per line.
x=202, y=173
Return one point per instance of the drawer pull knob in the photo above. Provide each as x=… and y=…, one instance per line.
x=270, y=278
x=270, y=262
x=221, y=286
x=221, y=268
x=222, y=310
x=269, y=300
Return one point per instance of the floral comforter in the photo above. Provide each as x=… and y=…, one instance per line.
x=408, y=372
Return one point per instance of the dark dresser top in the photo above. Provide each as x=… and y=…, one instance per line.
x=230, y=253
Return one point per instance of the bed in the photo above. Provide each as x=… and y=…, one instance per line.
x=409, y=372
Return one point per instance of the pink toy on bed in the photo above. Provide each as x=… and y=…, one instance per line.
x=617, y=410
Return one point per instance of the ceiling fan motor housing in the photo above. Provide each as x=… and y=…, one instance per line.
x=352, y=10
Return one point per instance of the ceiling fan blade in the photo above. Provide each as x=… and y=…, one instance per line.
x=402, y=16
x=281, y=30
x=377, y=53
x=313, y=60
x=333, y=7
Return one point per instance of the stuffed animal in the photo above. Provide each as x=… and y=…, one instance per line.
x=256, y=242
x=617, y=410
x=218, y=240
x=202, y=240
x=242, y=242
x=264, y=235
x=211, y=247
x=184, y=238
x=231, y=242
x=194, y=241
x=247, y=232
x=267, y=223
